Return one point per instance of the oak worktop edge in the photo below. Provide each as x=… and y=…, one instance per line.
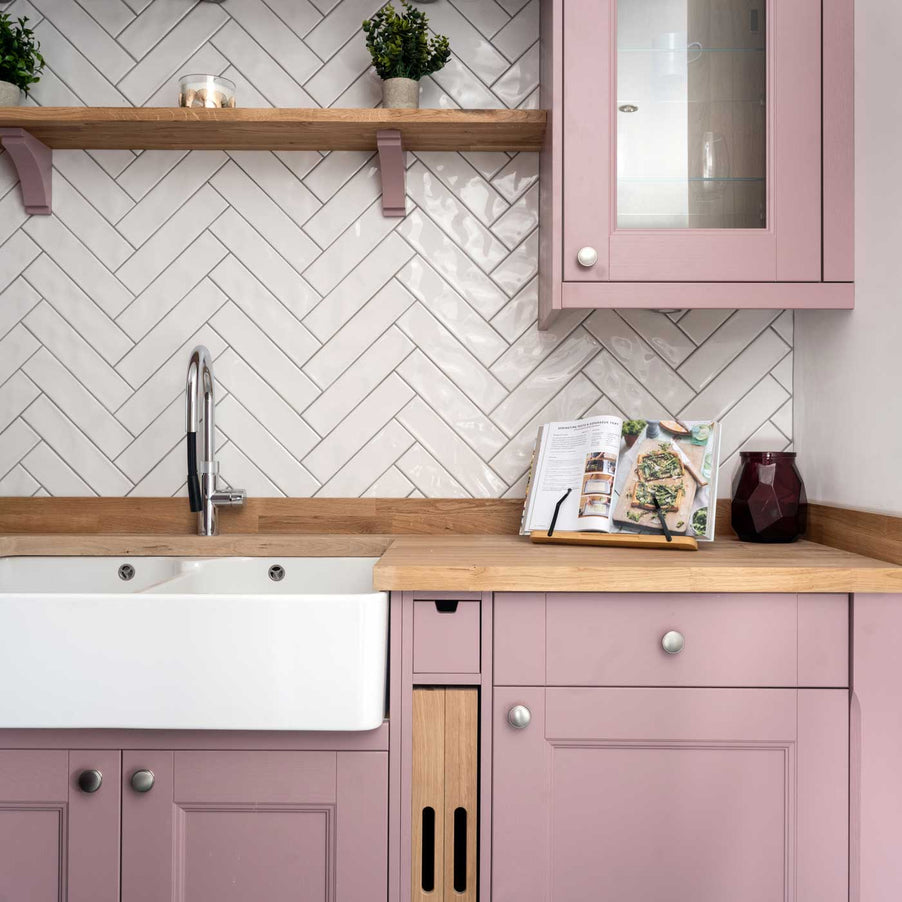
x=512, y=563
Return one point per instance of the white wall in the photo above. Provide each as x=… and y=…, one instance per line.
x=849, y=365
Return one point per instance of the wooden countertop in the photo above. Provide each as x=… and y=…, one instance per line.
x=511, y=563
x=230, y=545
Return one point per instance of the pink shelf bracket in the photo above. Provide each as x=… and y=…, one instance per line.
x=34, y=162
x=394, y=172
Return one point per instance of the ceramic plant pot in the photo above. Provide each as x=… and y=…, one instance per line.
x=401, y=93
x=10, y=95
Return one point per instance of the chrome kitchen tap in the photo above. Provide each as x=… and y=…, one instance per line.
x=204, y=492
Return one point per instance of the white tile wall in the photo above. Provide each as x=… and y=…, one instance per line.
x=356, y=355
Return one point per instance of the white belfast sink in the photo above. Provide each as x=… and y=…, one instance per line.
x=210, y=644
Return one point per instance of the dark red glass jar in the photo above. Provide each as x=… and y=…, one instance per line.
x=769, y=501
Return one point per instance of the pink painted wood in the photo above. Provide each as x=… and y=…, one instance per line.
x=446, y=641
x=214, y=740
x=701, y=794
x=824, y=640
x=34, y=162
x=804, y=259
x=788, y=249
x=403, y=680
x=839, y=140
x=94, y=835
x=612, y=639
x=280, y=826
x=551, y=161
x=589, y=30
x=714, y=295
x=394, y=172
x=33, y=795
x=57, y=842
x=877, y=738
x=519, y=639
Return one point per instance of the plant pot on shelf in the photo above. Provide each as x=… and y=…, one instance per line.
x=401, y=94
x=10, y=95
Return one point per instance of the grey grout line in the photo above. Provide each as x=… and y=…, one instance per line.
x=745, y=347
x=43, y=347
x=112, y=225
x=138, y=200
x=47, y=440
x=181, y=297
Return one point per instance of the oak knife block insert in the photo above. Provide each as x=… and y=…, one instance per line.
x=444, y=793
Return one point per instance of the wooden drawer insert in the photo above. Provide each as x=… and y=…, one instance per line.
x=752, y=640
x=446, y=636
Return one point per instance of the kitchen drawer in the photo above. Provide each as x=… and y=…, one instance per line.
x=446, y=636
x=590, y=639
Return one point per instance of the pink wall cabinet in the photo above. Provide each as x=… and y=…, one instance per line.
x=698, y=154
x=670, y=793
x=59, y=825
x=233, y=826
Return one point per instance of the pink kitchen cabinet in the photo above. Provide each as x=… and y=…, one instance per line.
x=59, y=841
x=698, y=154
x=685, y=746
x=690, y=794
x=233, y=826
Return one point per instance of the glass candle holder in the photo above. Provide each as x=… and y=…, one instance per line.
x=206, y=91
x=769, y=501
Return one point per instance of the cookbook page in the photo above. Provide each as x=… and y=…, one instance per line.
x=580, y=456
x=675, y=461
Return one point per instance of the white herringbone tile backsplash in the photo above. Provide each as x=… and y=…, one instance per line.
x=356, y=355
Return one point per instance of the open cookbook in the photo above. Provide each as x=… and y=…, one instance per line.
x=614, y=470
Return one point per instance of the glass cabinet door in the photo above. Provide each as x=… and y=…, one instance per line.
x=691, y=114
x=692, y=140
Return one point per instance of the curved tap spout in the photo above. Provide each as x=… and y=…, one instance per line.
x=204, y=493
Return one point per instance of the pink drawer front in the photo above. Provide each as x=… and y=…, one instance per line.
x=617, y=640
x=446, y=636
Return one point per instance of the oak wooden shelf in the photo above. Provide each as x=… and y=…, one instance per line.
x=175, y=128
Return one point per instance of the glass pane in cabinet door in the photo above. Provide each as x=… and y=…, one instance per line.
x=691, y=114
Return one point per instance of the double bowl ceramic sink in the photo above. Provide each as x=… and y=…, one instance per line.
x=182, y=643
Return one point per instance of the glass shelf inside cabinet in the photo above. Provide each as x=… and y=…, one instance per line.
x=691, y=124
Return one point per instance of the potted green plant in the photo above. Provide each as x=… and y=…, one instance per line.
x=632, y=429
x=21, y=62
x=403, y=53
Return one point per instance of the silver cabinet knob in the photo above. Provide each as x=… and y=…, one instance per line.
x=142, y=780
x=672, y=642
x=90, y=780
x=519, y=717
x=587, y=256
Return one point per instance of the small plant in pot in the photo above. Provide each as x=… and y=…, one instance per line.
x=21, y=62
x=403, y=53
x=632, y=429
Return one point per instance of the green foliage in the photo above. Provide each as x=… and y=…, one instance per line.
x=633, y=427
x=400, y=44
x=20, y=53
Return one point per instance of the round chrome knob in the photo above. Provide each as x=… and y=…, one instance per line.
x=519, y=717
x=672, y=642
x=90, y=780
x=142, y=780
x=587, y=256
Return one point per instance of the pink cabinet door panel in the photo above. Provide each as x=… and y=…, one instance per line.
x=785, y=120
x=233, y=826
x=647, y=794
x=57, y=842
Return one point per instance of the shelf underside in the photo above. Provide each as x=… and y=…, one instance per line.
x=175, y=128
